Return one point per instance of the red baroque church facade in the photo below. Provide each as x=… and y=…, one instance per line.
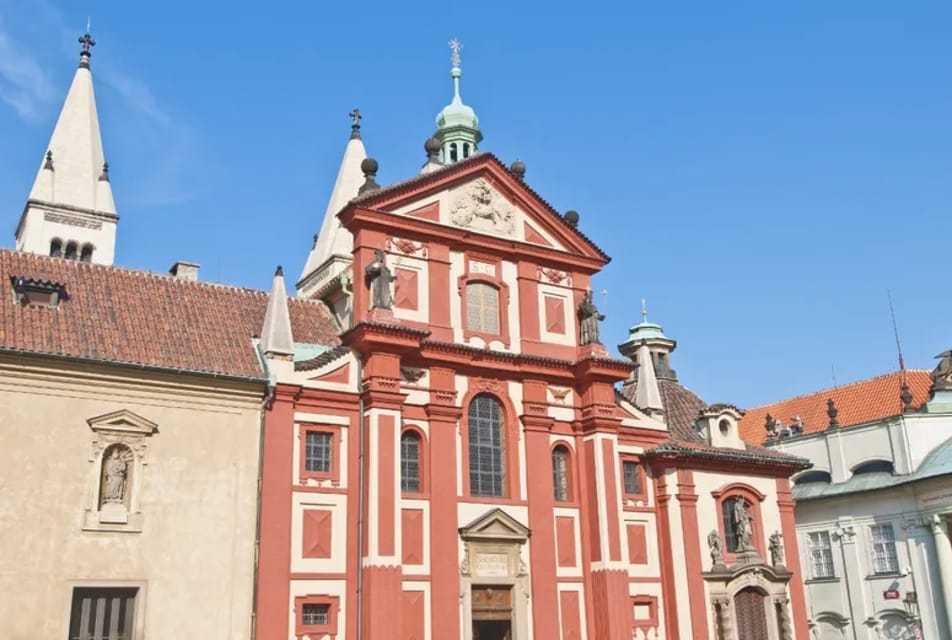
x=460, y=466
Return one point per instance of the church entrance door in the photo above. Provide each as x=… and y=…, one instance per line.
x=751, y=615
x=492, y=612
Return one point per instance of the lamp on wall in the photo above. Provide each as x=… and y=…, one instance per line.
x=911, y=603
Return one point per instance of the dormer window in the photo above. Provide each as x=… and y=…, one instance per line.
x=37, y=292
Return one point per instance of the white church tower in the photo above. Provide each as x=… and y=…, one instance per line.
x=70, y=212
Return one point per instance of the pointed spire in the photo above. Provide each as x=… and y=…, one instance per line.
x=276, y=337
x=647, y=393
x=334, y=243
x=71, y=195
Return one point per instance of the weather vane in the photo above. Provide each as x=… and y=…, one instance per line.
x=456, y=47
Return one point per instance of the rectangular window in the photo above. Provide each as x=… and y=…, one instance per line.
x=632, y=477
x=102, y=613
x=317, y=451
x=821, y=554
x=315, y=614
x=482, y=307
x=883, y=539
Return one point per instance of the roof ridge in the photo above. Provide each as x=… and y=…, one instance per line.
x=836, y=388
x=145, y=273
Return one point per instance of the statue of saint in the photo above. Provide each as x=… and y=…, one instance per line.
x=115, y=470
x=776, y=548
x=589, y=317
x=716, y=546
x=380, y=277
x=743, y=525
x=942, y=374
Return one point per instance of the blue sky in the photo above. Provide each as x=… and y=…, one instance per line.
x=761, y=173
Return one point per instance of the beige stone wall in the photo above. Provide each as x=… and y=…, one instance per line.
x=194, y=556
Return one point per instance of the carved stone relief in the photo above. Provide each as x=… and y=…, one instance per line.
x=479, y=207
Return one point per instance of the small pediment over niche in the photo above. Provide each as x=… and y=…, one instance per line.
x=123, y=422
x=495, y=525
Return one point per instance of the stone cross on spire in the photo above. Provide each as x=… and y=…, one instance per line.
x=456, y=46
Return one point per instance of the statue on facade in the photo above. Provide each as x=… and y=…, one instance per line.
x=115, y=471
x=380, y=277
x=589, y=317
x=716, y=546
x=776, y=549
x=743, y=524
x=942, y=374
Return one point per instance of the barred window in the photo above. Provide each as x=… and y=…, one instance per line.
x=560, y=474
x=315, y=615
x=482, y=307
x=410, y=462
x=102, y=613
x=632, y=477
x=486, y=472
x=317, y=451
x=883, y=540
x=821, y=554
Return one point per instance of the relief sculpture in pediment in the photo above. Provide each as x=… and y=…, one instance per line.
x=480, y=208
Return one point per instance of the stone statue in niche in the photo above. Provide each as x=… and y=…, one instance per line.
x=115, y=469
x=716, y=547
x=589, y=317
x=380, y=277
x=744, y=525
x=480, y=208
x=776, y=549
x=942, y=374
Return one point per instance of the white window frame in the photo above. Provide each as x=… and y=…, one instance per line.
x=821, y=555
x=884, y=555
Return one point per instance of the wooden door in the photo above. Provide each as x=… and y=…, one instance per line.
x=751, y=615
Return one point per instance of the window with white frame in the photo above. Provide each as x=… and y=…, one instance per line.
x=318, y=451
x=315, y=614
x=102, y=613
x=883, y=544
x=482, y=307
x=821, y=554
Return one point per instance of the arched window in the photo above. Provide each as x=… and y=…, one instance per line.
x=410, y=461
x=465, y=149
x=71, y=251
x=454, y=154
x=560, y=474
x=56, y=248
x=487, y=475
x=482, y=307
x=815, y=476
x=86, y=255
x=874, y=466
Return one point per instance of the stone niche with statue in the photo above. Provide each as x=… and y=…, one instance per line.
x=494, y=580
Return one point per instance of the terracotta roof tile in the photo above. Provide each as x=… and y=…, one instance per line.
x=147, y=319
x=857, y=403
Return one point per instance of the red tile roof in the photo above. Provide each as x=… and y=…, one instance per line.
x=856, y=403
x=147, y=319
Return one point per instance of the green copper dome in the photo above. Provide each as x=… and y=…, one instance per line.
x=457, y=114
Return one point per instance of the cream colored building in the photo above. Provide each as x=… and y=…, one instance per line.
x=130, y=416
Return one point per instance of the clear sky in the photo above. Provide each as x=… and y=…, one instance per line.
x=761, y=172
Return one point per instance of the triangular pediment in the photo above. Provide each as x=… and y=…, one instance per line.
x=480, y=196
x=494, y=525
x=123, y=422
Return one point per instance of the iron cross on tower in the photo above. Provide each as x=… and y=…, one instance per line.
x=87, y=41
x=355, y=115
x=456, y=47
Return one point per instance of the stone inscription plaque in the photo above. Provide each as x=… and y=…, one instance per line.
x=492, y=565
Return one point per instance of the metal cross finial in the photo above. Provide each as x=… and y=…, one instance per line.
x=355, y=114
x=87, y=41
x=456, y=46
x=644, y=311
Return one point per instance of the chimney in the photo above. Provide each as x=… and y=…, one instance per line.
x=184, y=270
